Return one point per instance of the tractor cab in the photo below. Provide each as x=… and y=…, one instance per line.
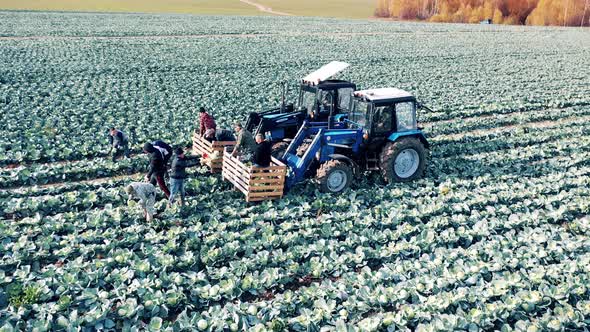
x=319, y=98
x=384, y=115
x=326, y=98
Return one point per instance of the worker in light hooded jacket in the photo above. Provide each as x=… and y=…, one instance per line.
x=146, y=193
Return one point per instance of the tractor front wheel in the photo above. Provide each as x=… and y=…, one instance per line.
x=334, y=176
x=403, y=160
x=278, y=149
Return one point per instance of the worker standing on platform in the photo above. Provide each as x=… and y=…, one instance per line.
x=245, y=144
x=206, y=121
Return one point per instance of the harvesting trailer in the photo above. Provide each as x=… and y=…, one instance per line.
x=319, y=98
x=378, y=133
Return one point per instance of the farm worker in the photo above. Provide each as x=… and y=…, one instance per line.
x=221, y=135
x=164, y=149
x=119, y=142
x=157, y=168
x=261, y=157
x=245, y=144
x=206, y=121
x=146, y=193
x=178, y=174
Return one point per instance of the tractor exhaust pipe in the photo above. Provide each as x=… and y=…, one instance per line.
x=284, y=90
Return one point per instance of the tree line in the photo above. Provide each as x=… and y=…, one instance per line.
x=529, y=12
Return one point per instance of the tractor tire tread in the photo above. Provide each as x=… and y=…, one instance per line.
x=389, y=153
x=278, y=149
x=324, y=171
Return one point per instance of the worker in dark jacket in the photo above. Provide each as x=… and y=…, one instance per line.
x=157, y=168
x=262, y=153
x=178, y=174
x=221, y=135
x=119, y=143
x=164, y=149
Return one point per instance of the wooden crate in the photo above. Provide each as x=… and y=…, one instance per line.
x=202, y=147
x=257, y=183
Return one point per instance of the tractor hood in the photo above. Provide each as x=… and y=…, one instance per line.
x=325, y=72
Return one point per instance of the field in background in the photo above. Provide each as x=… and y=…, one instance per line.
x=495, y=237
x=327, y=8
x=205, y=7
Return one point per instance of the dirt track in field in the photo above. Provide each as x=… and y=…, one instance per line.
x=265, y=9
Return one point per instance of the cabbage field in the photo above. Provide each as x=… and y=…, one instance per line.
x=495, y=237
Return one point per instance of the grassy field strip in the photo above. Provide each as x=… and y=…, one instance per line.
x=203, y=7
x=325, y=8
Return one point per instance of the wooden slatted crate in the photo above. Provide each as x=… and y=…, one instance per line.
x=202, y=147
x=257, y=183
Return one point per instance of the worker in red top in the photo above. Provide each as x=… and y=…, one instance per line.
x=206, y=121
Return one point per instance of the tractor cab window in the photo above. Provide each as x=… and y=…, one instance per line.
x=358, y=114
x=406, y=116
x=383, y=119
x=308, y=101
x=344, y=96
x=326, y=99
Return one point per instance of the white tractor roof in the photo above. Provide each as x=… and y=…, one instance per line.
x=382, y=94
x=325, y=72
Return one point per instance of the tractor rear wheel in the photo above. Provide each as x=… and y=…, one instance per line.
x=278, y=149
x=334, y=176
x=403, y=160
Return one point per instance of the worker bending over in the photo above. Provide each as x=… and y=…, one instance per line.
x=146, y=193
x=157, y=169
x=119, y=144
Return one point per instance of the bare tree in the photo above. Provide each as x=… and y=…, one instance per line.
x=584, y=15
x=436, y=7
x=567, y=4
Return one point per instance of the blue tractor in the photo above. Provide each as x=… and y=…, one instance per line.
x=379, y=133
x=319, y=98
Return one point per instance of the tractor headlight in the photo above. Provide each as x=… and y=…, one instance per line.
x=365, y=135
